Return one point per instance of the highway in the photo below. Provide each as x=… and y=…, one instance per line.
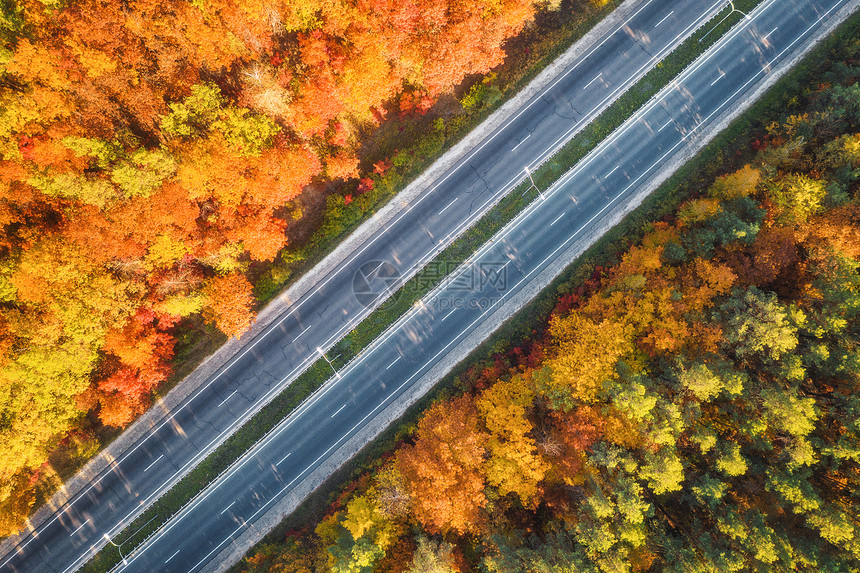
x=598, y=184
x=314, y=323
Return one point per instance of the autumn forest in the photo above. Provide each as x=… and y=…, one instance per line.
x=151, y=152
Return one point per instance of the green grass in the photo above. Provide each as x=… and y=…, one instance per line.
x=359, y=338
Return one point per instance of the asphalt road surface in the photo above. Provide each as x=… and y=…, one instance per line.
x=506, y=264
x=273, y=359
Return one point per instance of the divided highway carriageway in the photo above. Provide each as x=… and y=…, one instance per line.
x=333, y=307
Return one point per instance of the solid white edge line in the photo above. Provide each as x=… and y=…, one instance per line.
x=657, y=58
x=394, y=330
x=558, y=143
x=214, y=550
x=597, y=47
x=741, y=27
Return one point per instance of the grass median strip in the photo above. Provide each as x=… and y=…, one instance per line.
x=359, y=338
